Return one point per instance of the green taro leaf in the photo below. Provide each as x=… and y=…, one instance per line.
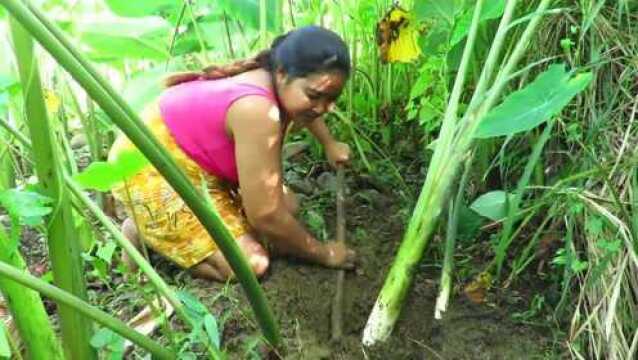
x=103, y=176
x=247, y=11
x=437, y=9
x=492, y=205
x=143, y=87
x=491, y=10
x=29, y=207
x=140, y=8
x=124, y=38
x=529, y=107
x=110, y=342
x=5, y=349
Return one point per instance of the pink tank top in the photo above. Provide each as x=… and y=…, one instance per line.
x=195, y=114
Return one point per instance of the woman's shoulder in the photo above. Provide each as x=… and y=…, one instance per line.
x=252, y=108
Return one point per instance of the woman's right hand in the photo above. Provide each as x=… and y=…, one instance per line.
x=337, y=255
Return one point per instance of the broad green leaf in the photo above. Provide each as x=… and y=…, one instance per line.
x=110, y=342
x=195, y=310
x=5, y=349
x=143, y=87
x=492, y=205
x=29, y=207
x=491, y=10
x=247, y=11
x=106, y=251
x=437, y=9
x=124, y=38
x=103, y=176
x=212, y=330
x=527, y=108
x=140, y=8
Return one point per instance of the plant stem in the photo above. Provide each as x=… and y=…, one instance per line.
x=337, y=305
x=64, y=248
x=85, y=309
x=27, y=310
x=450, y=241
x=428, y=208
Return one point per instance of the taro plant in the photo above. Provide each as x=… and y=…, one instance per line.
x=64, y=249
x=458, y=132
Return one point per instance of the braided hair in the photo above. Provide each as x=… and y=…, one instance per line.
x=298, y=53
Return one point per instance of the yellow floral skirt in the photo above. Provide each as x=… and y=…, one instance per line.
x=163, y=220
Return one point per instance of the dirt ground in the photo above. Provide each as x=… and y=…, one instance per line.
x=301, y=296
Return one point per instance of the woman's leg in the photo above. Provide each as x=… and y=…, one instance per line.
x=215, y=267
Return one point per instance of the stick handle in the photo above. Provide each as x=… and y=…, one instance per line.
x=337, y=304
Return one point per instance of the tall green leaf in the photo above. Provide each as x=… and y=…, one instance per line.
x=140, y=8
x=110, y=40
x=527, y=108
x=247, y=11
x=493, y=9
x=5, y=349
x=438, y=9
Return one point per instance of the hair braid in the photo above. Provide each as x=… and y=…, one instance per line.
x=212, y=72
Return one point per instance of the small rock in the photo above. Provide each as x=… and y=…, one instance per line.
x=373, y=197
x=302, y=186
x=78, y=141
x=327, y=181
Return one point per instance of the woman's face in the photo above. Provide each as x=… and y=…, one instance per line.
x=307, y=98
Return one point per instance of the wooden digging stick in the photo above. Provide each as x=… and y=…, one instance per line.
x=337, y=304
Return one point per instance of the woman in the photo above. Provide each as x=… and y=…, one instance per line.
x=226, y=126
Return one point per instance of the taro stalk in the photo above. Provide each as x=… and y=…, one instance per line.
x=52, y=39
x=26, y=306
x=64, y=248
x=454, y=142
x=9, y=273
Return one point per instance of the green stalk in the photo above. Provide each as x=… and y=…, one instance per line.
x=82, y=307
x=428, y=208
x=453, y=143
x=27, y=310
x=514, y=203
x=125, y=118
x=7, y=180
x=450, y=241
x=64, y=248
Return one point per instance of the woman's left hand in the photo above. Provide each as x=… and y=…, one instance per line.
x=338, y=154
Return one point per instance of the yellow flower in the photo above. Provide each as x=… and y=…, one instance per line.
x=52, y=101
x=397, y=35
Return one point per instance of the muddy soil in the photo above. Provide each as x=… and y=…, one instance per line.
x=301, y=296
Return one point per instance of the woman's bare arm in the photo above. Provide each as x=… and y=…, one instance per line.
x=254, y=124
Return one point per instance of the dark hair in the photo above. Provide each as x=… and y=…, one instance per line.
x=298, y=53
